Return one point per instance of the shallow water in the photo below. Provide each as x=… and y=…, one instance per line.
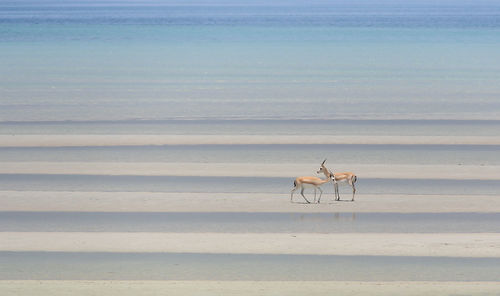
x=258, y=127
x=304, y=153
x=159, y=60
x=168, y=266
x=251, y=222
x=47, y=182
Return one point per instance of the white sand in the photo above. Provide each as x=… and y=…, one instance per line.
x=370, y=244
x=460, y=172
x=236, y=288
x=138, y=140
x=239, y=202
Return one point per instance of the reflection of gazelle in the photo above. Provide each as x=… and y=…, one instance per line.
x=310, y=182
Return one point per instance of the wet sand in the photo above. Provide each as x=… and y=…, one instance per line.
x=67, y=201
x=125, y=288
x=395, y=171
x=466, y=245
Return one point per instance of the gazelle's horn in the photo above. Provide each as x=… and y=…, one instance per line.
x=323, y=162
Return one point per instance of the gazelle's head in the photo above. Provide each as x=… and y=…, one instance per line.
x=323, y=169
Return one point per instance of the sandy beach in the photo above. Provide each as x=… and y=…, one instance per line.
x=478, y=245
x=78, y=288
x=229, y=202
x=395, y=171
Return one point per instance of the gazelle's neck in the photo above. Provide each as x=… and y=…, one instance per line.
x=327, y=173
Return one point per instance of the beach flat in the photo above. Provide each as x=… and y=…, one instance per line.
x=125, y=288
x=469, y=245
x=394, y=171
x=168, y=202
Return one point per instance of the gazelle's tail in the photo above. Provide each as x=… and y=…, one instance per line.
x=354, y=179
x=294, y=183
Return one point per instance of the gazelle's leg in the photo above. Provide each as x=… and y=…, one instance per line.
x=315, y=189
x=291, y=194
x=320, y=193
x=302, y=193
x=337, y=190
x=353, y=190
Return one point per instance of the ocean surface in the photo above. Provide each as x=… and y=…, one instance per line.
x=251, y=222
x=154, y=60
x=219, y=68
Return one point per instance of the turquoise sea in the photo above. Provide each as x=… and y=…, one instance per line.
x=156, y=60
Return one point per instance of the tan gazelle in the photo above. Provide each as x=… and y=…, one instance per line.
x=310, y=182
x=329, y=176
x=345, y=177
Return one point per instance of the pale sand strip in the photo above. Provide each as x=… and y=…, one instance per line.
x=39, y=201
x=459, y=172
x=139, y=140
x=344, y=244
x=237, y=288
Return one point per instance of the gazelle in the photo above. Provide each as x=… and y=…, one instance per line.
x=348, y=177
x=329, y=176
x=345, y=177
x=310, y=182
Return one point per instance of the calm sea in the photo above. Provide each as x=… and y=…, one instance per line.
x=99, y=60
